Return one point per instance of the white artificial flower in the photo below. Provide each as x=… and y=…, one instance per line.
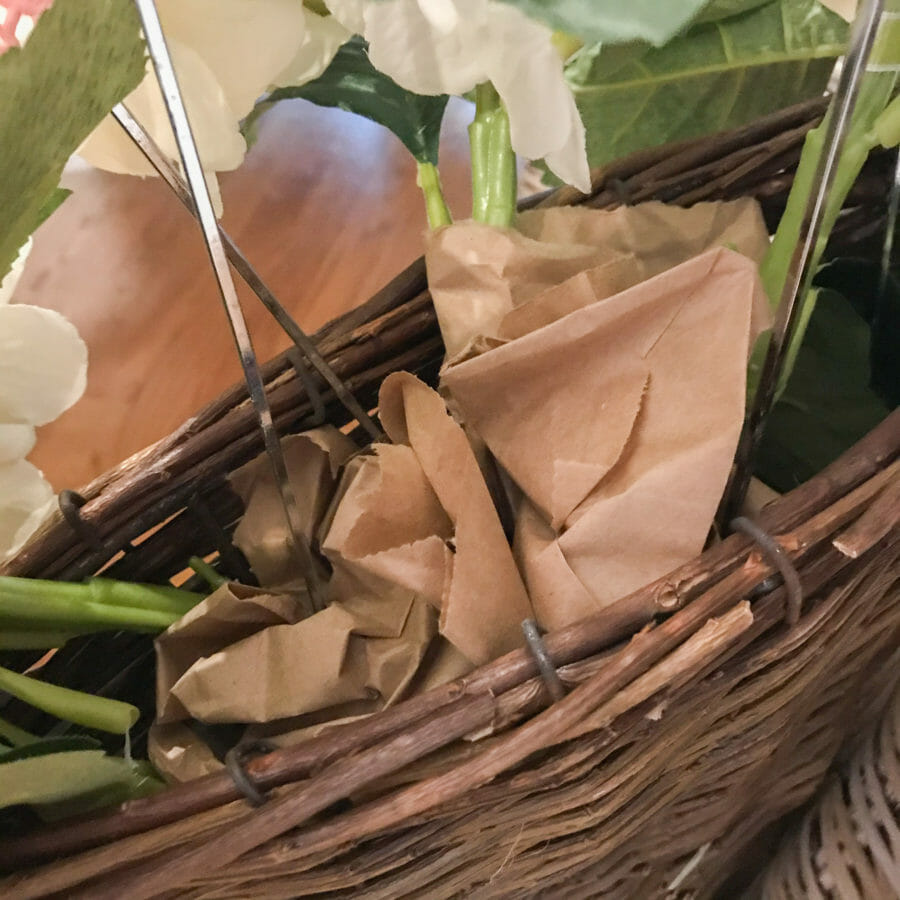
x=226, y=53
x=11, y=279
x=43, y=371
x=321, y=41
x=450, y=46
x=26, y=499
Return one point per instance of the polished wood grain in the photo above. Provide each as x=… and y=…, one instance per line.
x=325, y=207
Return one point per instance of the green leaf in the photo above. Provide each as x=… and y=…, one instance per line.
x=716, y=10
x=352, y=83
x=614, y=21
x=828, y=404
x=14, y=736
x=860, y=280
x=81, y=59
x=46, y=746
x=715, y=77
x=102, y=713
x=74, y=781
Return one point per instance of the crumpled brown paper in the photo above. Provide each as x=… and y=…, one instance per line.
x=388, y=526
x=248, y=655
x=241, y=656
x=477, y=274
x=227, y=616
x=618, y=415
x=313, y=460
x=418, y=515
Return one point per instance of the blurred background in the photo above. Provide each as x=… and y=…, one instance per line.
x=325, y=207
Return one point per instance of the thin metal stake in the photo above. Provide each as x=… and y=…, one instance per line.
x=190, y=159
x=251, y=277
x=800, y=273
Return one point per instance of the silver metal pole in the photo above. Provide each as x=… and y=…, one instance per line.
x=800, y=272
x=190, y=159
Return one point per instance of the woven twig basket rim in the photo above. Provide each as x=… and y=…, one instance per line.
x=829, y=501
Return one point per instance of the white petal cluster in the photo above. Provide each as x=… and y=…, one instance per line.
x=226, y=54
x=43, y=369
x=450, y=46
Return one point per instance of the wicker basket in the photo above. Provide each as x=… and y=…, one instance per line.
x=848, y=844
x=656, y=775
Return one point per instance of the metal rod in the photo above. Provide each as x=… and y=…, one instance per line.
x=190, y=159
x=800, y=272
x=243, y=267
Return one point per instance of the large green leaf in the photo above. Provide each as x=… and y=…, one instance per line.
x=352, y=83
x=81, y=59
x=47, y=746
x=74, y=781
x=716, y=10
x=716, y=76
x=828, y=403
x=614, y=21
x=877, y=299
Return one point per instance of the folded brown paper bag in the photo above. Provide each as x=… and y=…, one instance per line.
x=388, y=527
x=483, y=601
x=618, y=421
x=418, y=515
x=228, y=615
x=313, y=460
x=478, y=274
x=331, y=658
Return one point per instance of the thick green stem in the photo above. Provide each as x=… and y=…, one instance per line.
x=73, y=706
x=875, y=92
x=213, y=578
x=157, y=597
x=436, y=209
x=20, y=639
x=32, y=604
x=493, y=161
x=15, y=736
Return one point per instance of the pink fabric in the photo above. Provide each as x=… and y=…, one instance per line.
x=13, y=10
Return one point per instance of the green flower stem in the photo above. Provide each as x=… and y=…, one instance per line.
x=15, y=736
x=73, y=706
x=18, y=639
x=158, y=597
x=206, y=571
x=493, y=161
x=887, y=125
x=875, y=93
x=429, y=181
x=31, y=604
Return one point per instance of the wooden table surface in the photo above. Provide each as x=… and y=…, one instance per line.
x=325, y=207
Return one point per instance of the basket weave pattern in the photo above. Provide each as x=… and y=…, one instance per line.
x=653, y=777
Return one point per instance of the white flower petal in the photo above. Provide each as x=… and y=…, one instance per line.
x=323, y=38
x=350, y=13
x=570, y=162
x=8, y=285
x=405, y=45
x=107, y=147
x=26, y=499
x=528, y=74
x=43, y=364
x=244, y=43
x=213, y=122
x=442, y=15
x=16, y=441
